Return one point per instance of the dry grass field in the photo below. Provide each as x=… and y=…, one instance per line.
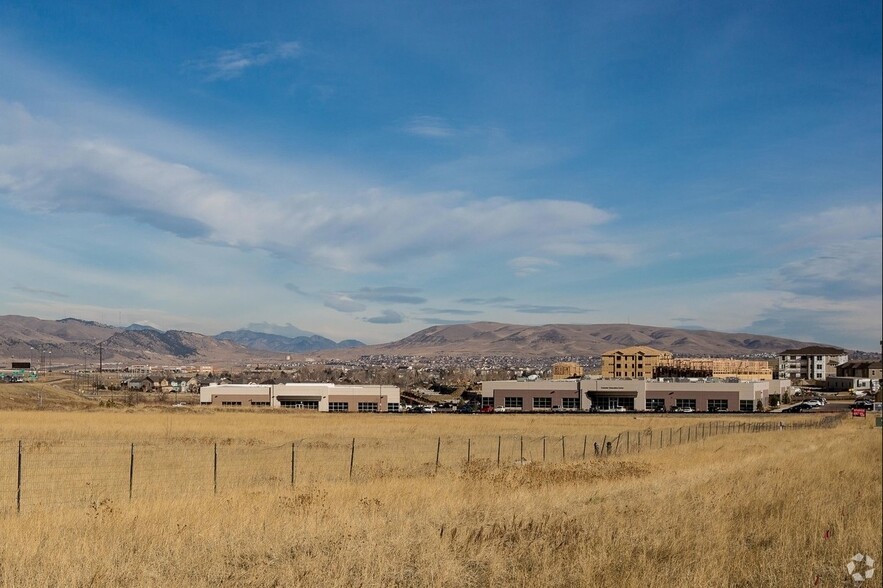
x=777, y=508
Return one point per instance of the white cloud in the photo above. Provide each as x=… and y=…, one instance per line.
x=528, y=266
x=226, y=64
x=343, y=303
x=46, y=168
x=432, y=127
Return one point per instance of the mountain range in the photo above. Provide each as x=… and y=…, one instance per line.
x=77, y=341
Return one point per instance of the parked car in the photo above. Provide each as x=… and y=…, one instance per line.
x=794, y=408
x=466, y=409
x=866, y=404
x=488, y=409
x=687, y=409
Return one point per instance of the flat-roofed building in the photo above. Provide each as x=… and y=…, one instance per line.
x=532, y=395
x=308, y=396
x=710, y=395
x=632, y=362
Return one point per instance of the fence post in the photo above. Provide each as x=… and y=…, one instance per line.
x=18, y=486
x=603, y=445
x=131, y=469
x=618, y=438
x=670, y=432
x=628, y=442
x=293, y=463
x=544, y=448
x=352, y=457
x=437, y=454
x=651, y=439
x=522, y=450
x=680, y=435
x=585, y=442
x=499, y=443
x=563, y=452
x=215, y=469
x=468, y=449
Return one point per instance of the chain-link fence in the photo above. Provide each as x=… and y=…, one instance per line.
x=47, y=474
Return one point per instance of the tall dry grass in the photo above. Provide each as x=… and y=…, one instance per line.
x=780, y=508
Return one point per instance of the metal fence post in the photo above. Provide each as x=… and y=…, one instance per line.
x=437, y=454
x=544, y=448
x=563, y=452
x=468, y=449
x=131, y=469
x=215, y=469
x=585, y=442
x=18, y=486
x=293, y=462
x=352, y=457
x=499, y=444
x=522, y=450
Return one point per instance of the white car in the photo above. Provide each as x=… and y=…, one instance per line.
x=687, y=409
x=814, y=402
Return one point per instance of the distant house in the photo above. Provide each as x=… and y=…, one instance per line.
x=144, y=384
x=813, y=363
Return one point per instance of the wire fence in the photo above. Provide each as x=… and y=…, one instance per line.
x=37, y=474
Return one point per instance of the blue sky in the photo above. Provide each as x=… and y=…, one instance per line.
x=365, y=171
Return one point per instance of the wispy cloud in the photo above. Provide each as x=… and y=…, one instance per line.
x=226, y=64
x=389, y=294
x=441, y=321
x=485, y=301
x=432, y=127
x=387, y=317
x=528, y=266
x=540, y=309
x=343, y=303
x=47, y=168
x=452, y=311
x=39, y=292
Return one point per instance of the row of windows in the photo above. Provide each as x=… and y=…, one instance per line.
x=538, y=403
x=338, y=407
x=231, y=403
x=368, y=407
x=302, y=404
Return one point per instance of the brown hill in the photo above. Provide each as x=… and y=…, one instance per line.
x=498, y=339
x=74, y=341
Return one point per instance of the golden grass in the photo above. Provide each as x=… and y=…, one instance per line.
x=779, y=508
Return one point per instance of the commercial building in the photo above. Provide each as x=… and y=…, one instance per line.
x=320, y=397
x=813, y=363
x=630, y=394
x=632, y=362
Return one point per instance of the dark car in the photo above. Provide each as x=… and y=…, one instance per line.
x=795, y=408
x=466, y=409
x=866, y=404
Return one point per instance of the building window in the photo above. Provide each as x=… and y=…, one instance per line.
x=487, y=401
x=367, y=407
x=717, y=405
x=746, y=406
x=392, y=407
x=260, y=403
x=570, y=403
x=301, y=404
x=230, y=403
x=686, y=403
x=338, y=407
x=655, y=403
x=513, y=402
x=544, y=402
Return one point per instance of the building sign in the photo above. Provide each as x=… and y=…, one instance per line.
x=858, y=412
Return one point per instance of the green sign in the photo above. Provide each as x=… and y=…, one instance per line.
x=879, y=422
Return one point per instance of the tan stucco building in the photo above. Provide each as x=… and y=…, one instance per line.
x=632, y=362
